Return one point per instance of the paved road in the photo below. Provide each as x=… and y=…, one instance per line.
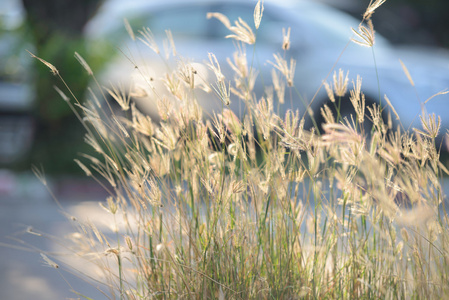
x=23, y=274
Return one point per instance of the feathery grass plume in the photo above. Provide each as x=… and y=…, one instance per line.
x=444, y=92
x=52, y=68
x=340, y=83
x=187, y=74
x=242, y=31
x=171, y=42
x=329, y=91
x=286, y=70
x=327, y=114
x=357, y=99
x=167, y=137
x=83, y=167
x=83, y=62
x=407, y=73
x=301, y=215
x=240, y=63
x=279, y=86
x=129, y=29
x=258, y=13
x=431, y=124
x=214, y=65
x=49, y=262
x=223, y=92
x=220, y=17
x=372, y=8
x=391, y=106
x=62, y=94
x=164, y=108
x=286, y=39
x=121, y=96
x=141, y=123
x=221, y=89
x=148, y=39
x=365, y=35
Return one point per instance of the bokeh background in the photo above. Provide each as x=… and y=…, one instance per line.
x=38, y=128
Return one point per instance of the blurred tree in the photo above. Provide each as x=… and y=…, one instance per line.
x=57, y=27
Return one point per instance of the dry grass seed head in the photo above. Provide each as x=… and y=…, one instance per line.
x=407, y=73
x=120, y=95
x=129, y=29
x=391, y=106
x=327, y=114
x=83, y=62
x=242, y=32
x=240, y=64
x=258, y=13
x=365, y=35
x=169, y=44
x=49, y=262
x=83, y=167
x=340, y=83
x=431, y=124
x=444, y=92
x=148, y=39
x=372, y=8
x=62, y=94
x=164, y=108
x=329, y=91
x=286, y=70
x=286, y=39
x=52, y=68
x=141, y=123
x=187, y=74
x=357, y=99
x=279, y=86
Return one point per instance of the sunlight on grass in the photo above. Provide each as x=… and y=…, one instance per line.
x=259, y=207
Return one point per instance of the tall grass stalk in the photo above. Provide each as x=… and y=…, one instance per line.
x=259, y=207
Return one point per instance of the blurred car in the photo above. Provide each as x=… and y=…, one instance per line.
x=320, y=41
x=16, y=89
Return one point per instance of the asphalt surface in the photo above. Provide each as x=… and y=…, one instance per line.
x=25, y=204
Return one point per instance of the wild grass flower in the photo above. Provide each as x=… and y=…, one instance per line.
x=279, y=86
x=357, y=99
x=52, y=68
x=431, y=124
x=286, y=39
x=329, y=91
x=391, y=106
x=287, y=70
x=120, y=95
x=241, y=31
x=83, y=62
x=340, y=83
x=258, y=13
x=260, y=207
x=129, y=29
x=364, y=35
x=148, y=39
x=372, y=8
x=407, y=73
x=169, y=46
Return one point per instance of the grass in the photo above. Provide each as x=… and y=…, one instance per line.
x=259, y=207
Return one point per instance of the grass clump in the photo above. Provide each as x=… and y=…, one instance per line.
x=258, y=207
